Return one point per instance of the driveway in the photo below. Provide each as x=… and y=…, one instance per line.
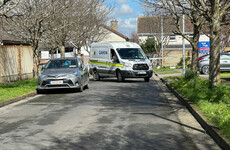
x=133, y=115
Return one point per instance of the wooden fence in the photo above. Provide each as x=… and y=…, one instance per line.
x=16, y=63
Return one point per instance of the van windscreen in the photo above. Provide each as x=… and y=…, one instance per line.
x=131, y=53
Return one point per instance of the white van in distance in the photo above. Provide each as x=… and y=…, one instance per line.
x=121, y=60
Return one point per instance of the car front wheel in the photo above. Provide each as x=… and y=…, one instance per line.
x=96, y=76
x=81, y=86
x=205, y=69
x=39, y=91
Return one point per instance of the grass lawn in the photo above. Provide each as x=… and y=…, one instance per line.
x=226, y=74
x=165, y=70
x=16, y=89
x=213, y=103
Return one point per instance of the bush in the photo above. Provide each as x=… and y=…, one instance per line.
x=189, y=74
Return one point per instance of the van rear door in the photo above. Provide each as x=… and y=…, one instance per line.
x=99, y=59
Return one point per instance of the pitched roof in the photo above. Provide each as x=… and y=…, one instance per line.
x=7, y=36
x=8, y=39
x=116, y=32
x=146, y=24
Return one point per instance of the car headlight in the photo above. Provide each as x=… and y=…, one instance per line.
x=127, y=64
x=73, y=74
x=43, y=76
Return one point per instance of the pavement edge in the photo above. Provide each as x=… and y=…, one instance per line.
x=215, y=136
x=2, y=104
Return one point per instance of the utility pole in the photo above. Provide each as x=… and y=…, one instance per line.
x=162, y=45
x=183, y=42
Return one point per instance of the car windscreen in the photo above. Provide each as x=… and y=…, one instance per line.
x=59, y=64
x=131, y=53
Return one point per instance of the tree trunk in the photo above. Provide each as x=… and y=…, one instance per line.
x=62, y=50
x=36, y=66
x=196, y=36
x=36, y=59
x=215, y=33
x=52, y=53
x=79, y=50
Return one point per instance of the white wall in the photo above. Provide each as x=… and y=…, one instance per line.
x=177, y=41
x=112, y=37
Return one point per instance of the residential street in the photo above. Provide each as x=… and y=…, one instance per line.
x=134, y=115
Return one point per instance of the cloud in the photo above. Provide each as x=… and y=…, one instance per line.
x=127, y=26
x=126, y=9
x=122, y=2
x=123, y=10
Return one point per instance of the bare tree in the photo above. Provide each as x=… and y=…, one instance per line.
x=216, y=12
x=176, y=8
x=134, y=37
x=7, y=5
x=153, y=24
x=31, y=22
x=89, y=29
x=78, y=24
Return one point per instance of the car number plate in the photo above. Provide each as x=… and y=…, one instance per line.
x=141, y=72
x=56, y=82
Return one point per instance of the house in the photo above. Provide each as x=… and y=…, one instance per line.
x=151, y=27
x=112, y=34
x=16, y=58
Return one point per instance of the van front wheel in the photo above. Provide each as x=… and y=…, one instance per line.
x=119, y=77
x=96, y=76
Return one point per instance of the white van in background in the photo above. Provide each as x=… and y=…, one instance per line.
x=121, y=60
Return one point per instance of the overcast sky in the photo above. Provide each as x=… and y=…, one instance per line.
x=126, y=13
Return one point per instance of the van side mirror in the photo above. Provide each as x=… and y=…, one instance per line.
x=81, y=66
x=42, y=67
x=115, y=59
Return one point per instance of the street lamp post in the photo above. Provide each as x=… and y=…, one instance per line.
x=183, y=42
x=162, y=45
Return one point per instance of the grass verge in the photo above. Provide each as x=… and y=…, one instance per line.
x=16, y=89
x=165, y=70
x=225, y=74
x=213, y=103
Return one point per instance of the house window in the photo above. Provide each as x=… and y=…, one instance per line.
x=190, y=35
x=150, y=37
x=172, y=37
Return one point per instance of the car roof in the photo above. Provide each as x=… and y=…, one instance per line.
x=67, y=58
x=220, y=54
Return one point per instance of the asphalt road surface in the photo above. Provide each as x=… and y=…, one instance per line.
x=133, y=115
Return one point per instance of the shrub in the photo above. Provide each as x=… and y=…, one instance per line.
x=189, y=74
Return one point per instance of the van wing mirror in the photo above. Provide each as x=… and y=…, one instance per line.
x=81, y=66
x=42, y=68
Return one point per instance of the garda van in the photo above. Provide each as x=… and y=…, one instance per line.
x=121, y=60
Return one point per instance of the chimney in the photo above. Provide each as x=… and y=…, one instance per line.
x=114, y=25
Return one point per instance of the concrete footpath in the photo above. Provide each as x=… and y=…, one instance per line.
x=196, y=132
x=209, y=128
